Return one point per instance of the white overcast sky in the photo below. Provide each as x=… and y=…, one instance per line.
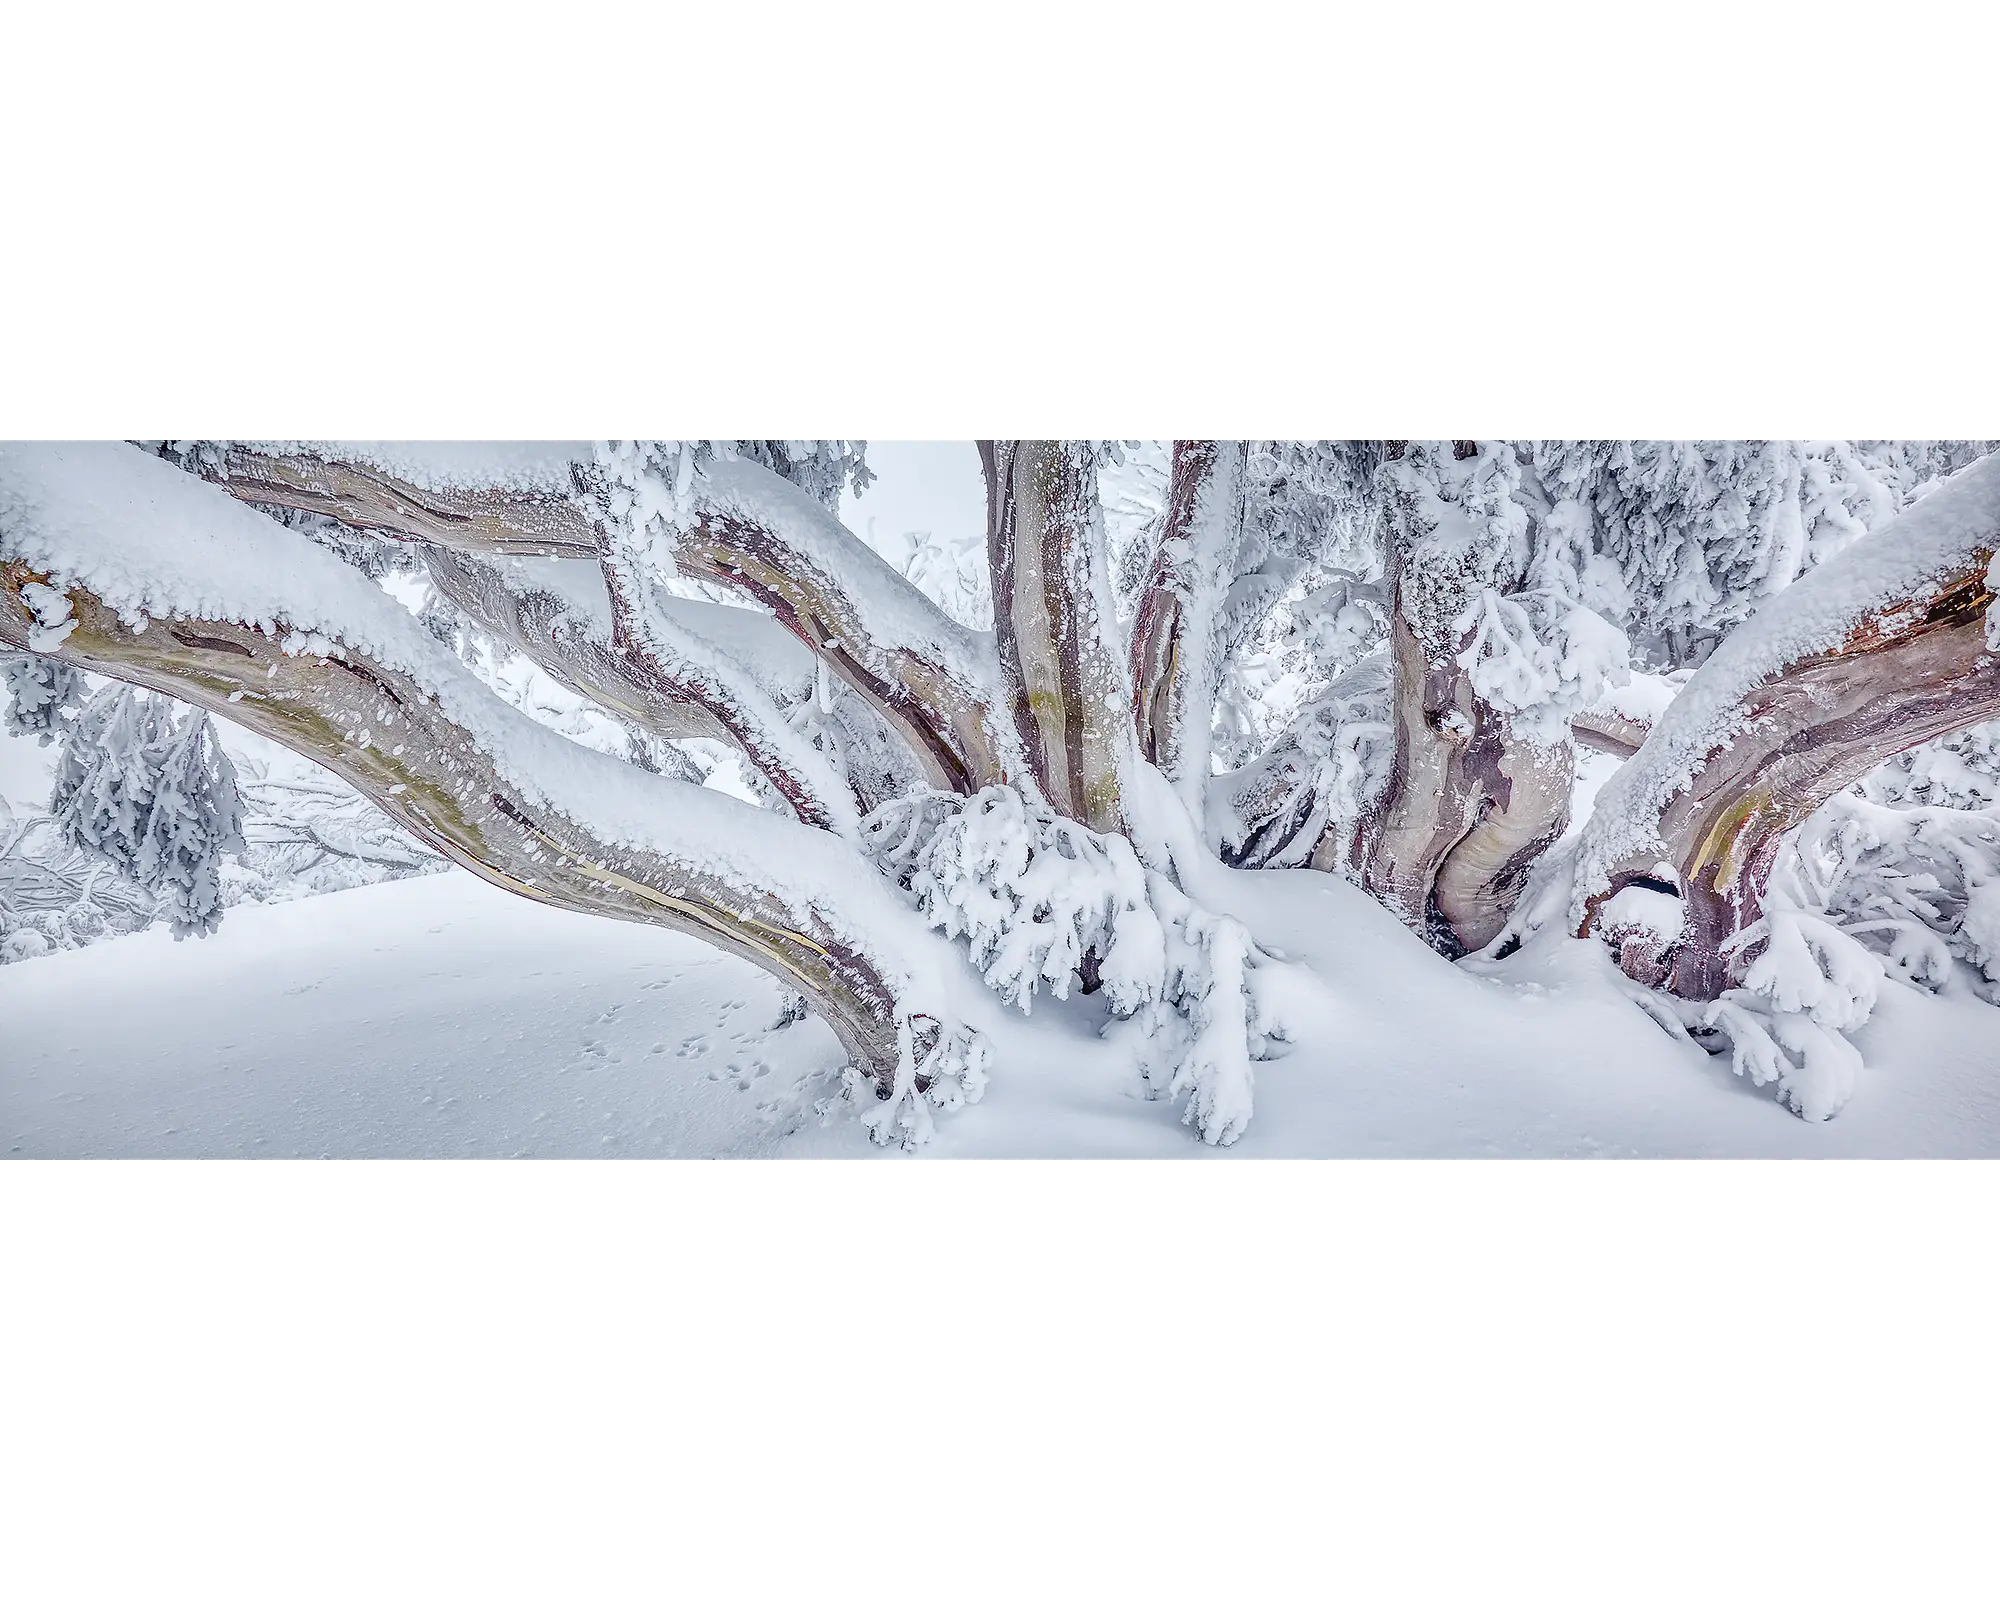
x=927, y=486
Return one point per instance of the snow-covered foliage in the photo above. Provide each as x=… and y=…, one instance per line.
x=1698, y=532
x=939, y=1067
x=1034, y=895
x=1325, y=772
x=154, y=795
x=108, y=774
x=1038, y=899
x=1908, y=862
x=196, y=818
x=949, y=570
x=1217, y=1013
x=40, y=695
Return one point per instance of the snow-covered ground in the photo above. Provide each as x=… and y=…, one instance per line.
x=440, y=1016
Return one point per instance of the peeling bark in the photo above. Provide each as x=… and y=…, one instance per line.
x=1469, y=806
x=1457, y=784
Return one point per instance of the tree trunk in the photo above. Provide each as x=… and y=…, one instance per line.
x=1174, y=646
x=1469, y=806
x=1064, y=680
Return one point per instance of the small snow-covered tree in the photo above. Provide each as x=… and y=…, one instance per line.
x=109, y=774
x=196, y=818
x=40, y=695
x=155, y=796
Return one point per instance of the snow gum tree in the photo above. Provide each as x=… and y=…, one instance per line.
x=1383, y=659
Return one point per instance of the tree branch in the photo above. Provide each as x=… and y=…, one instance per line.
x=1878, y=650
x=675, y=684
x=750, y=530
x=112, y=560
x=931, y=679
x=370, y=494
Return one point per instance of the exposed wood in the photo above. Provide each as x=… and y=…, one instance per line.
x=1609, y=732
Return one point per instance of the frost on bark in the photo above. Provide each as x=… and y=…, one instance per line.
x=1175, y=649
x=1063, y=675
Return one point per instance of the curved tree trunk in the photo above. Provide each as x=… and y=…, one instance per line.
x=1880, y=649
x=381, y=732
x=1469, y=806
x=1917, y=670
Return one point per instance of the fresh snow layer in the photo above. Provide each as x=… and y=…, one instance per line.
x=439, y=1016
x=520, y=466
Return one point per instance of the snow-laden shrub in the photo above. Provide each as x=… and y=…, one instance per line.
x=1039, y=900
x=1908, y=862
x=196, y=818
x=1814, y=1067
x=1033, y=894
x=1219, y=1010
x=1539, y=660
x=155, y=796
x=1332, y=763
x=37, y=695
x=938, y=1068
x=1809, y=986
x=105, y=781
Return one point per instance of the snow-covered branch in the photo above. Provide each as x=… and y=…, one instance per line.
x=663, y=676
x=1883, y=647
x=930, y=678
x=515, y=499
x=115, y=561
